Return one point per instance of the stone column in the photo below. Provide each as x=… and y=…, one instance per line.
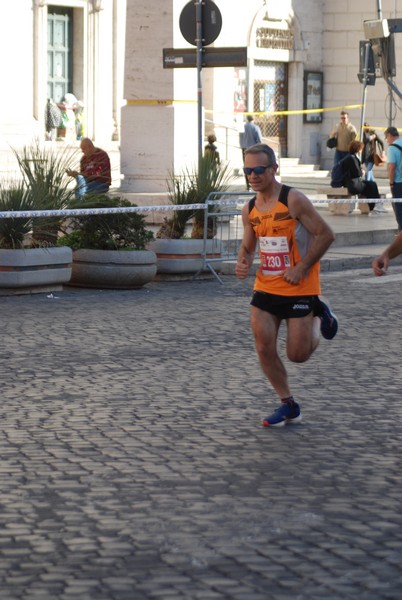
x=40, y=63
x=159, y=121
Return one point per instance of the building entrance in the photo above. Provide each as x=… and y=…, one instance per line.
x=270, y=88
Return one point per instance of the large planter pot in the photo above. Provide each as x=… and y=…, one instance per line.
x=34, y=270
x=185, y=256
x=113, y=269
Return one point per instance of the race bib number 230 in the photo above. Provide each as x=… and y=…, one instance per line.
x=275, y=255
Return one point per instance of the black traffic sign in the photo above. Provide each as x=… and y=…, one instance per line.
x=211, y=22
x=174, y=58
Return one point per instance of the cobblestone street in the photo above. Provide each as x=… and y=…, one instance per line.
x=134, y=465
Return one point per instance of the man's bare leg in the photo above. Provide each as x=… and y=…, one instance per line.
x=265, y=327
x=303, y=337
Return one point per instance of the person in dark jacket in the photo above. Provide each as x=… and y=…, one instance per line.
x=354, y=177
x=211, y=149
x=371, y=142
x=372, y=145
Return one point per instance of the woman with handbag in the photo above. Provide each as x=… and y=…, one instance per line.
x=372, y=154
x=373, y=151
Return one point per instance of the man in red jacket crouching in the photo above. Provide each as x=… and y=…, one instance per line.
x=95, y=173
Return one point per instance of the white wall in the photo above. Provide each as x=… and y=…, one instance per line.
x=16, y=45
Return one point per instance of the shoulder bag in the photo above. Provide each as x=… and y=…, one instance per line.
x=379, y=157
x=331, y=142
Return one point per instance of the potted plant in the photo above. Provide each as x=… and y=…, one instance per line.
x=44, y=175
x=175, y=252
x=110, y=250
x=25, y=266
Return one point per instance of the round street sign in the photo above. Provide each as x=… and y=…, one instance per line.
x=211, y=22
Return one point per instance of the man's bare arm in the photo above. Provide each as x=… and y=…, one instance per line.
x=301, y=208
x=246, y=253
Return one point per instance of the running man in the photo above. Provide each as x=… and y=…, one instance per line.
x=292, y=238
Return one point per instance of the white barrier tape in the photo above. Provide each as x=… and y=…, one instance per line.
x=314, y=201
x=354, y=200
x=80, y=212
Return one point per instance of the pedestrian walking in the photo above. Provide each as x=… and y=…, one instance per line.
x=249, y=137
x=373, y=154
x=394, y=168
x=292, y=238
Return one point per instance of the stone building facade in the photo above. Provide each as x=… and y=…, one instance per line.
x=51, y=48
x=300, y=54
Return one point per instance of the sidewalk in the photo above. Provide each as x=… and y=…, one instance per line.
x=359, y=238
x=134, y=465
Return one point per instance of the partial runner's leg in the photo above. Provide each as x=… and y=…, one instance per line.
x=265, y=327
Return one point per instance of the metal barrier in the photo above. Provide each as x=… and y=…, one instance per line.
x=225, y=215
x=227, y=227
x=228, y=239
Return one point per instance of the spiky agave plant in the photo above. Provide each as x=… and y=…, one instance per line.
x=14, y=197
x=181, y=191
x=44, y=173
x=211, y=177
x=193, y=187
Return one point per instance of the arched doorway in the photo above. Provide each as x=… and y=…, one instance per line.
x=271, y=48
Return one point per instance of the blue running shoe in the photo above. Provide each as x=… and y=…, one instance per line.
x=286, y=414
x=329, y=322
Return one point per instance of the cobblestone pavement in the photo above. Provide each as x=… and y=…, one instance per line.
x=134, y=465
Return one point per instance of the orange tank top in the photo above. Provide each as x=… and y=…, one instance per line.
x=283, y=241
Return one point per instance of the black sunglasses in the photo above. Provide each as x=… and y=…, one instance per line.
x=256, y=170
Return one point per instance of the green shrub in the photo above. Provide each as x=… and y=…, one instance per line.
x=117, y=231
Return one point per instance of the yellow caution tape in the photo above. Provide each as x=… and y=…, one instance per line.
x=305, y=111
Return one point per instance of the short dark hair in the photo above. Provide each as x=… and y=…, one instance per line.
x=250, y=118
x=262, y=148
x=392, y=131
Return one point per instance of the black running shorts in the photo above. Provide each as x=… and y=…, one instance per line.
x=285, y=307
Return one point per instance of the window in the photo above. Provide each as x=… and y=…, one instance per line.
x=59, y=52
x=312, y=96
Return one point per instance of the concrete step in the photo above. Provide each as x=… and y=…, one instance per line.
x=290, y=166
